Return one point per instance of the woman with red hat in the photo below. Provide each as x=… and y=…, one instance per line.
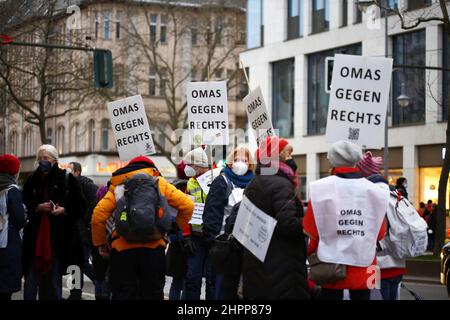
x=12, y=219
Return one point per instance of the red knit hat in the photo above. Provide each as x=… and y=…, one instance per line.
x=370, y=165
x=9, y=164
x=267, y=146
x=180, y=170
x=142, y=159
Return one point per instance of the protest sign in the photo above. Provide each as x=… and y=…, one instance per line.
x=258, y=116
x=358, y=100
x=197, y=215
x=207, y=178
x=130, y=127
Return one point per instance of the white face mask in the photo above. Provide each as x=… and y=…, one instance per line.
x=405, y=185
x=240, y=168
x=189, y=171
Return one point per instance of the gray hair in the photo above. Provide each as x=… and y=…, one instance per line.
x=51, y=150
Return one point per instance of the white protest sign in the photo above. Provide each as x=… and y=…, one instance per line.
x=358, y=100
x=254, y=228
x=130, y=128
x=207, y=178
x=208, y=112
x=197, y=215
x=257, y=114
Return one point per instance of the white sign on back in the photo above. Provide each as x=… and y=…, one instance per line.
x=254, y=228
x=257, y=114
x=130, y=128
x=358, y=100
x=207, y=105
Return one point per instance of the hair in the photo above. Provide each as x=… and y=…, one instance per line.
x=241, y=150
x=430, y=202
x=400, y=181
x=422, y=205
x=76, y=166
x=51, y=150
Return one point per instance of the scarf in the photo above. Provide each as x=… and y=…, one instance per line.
x=240, y=181
x=285, y=170
x=6, y=180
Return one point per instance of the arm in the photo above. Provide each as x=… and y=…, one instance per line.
x=28, y=199
x=16, y=209
x=215, y=208
x=102, y=212
x=178, y=200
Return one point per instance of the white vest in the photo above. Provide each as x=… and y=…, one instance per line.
x=348, y=214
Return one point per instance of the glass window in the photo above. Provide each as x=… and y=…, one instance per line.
x=446, y=75
x=106, y=21
x=218, y=30
x=218, y=74
x=163, y=83
x=295, y=19
x=91, y=134
x=77, y=136
x=105, y=135
x=50, y=135
x=317, y=97
x=60, y=140
x=418, y=4
x=152, y=82
x=255, y=30
x=153, y=25
x=283, y=97
x=163, y=35
x=391, y=4
x=344, y=13
x=321, y=16
x=358, y=14
x=194, y=31
x=409, y=49
x=96, y=24
x=13, y=143
x=118, y=18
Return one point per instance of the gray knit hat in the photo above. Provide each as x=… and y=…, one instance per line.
x=344, y=154
x=197, y=157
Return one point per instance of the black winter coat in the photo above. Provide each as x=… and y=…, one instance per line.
x=283, y=275
x=89, y=189
x=11, y=256
x=65, y=238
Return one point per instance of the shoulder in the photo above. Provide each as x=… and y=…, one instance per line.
x=14, y=193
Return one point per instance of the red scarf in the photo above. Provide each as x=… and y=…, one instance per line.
x=43, y=250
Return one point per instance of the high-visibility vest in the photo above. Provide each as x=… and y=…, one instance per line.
x=195, y=190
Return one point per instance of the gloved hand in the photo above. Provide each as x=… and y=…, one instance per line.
x=189, y=245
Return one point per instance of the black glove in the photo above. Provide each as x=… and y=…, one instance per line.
x=189, y=245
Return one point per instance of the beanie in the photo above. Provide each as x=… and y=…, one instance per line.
x=268, y=145
x=370, y=165
x=344, y=154
x=9, y=164
x=197, y=157
x=142, y=159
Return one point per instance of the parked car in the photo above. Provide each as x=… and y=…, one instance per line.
x=445, y=267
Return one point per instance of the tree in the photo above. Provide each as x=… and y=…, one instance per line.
x=42, y=83
x=193, y=44
x=437, y=12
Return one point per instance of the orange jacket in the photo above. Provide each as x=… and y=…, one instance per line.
x=106, y=206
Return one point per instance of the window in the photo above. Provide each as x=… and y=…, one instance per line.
x=344, y=21
x=358, y=14
x=152, y=82
x=390, y=4
x=194, y=74
x=163, y=83
x=60, y=139
x=96, y=24
x=153, y=26
x=283, y=97
x=118, y=18
x=91, y=134
x=163, y=35
x=28, y=142
x=13, y=143
x=317, y=97
x=118, y=73
x=106, y=21
x=219, y=31
x=295, y=19
x=321, y=16
x=194, y=32
x=255, y=28
x=409, y=48
x=105, y=135
x=218, y=74
x=77, y=137
x=445, y=75
x=243, y=87
x=418, y=4
x=50, y=135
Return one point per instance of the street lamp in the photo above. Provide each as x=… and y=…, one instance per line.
x=362, y=6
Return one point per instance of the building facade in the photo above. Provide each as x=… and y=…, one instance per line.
x=287, y=44
x=157, y=47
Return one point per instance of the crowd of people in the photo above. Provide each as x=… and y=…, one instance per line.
x=67, y=220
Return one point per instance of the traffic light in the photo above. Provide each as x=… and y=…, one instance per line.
x=103, y=69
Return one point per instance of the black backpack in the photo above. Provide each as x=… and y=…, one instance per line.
x=142, y=214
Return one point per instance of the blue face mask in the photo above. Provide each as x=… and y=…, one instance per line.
x=45, y=165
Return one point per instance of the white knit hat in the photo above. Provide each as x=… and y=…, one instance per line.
x=197, y=157
x=344, y=154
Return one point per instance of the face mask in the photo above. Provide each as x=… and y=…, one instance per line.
x=45, y=165
x=68, y=170
x=189, y=171
x=240, y=168
x=405, y=185
x=291, y=163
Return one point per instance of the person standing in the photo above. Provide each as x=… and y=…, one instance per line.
x=226, y=191
x=346, y=211
x=51, y=241
x=402, y=186
x=283, y=274
x=197, y=262
x=12, y=220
